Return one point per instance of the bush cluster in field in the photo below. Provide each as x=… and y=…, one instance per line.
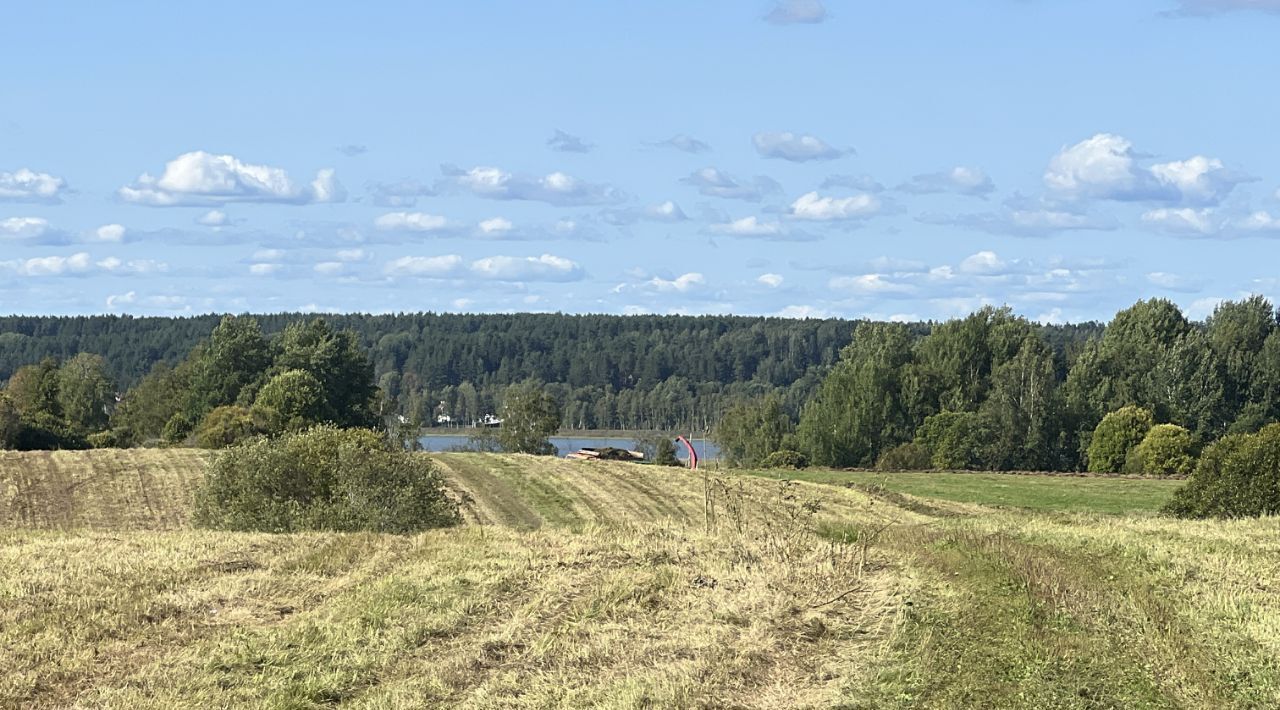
x=324, y=478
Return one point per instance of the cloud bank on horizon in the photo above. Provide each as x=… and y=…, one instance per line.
x=802, y=159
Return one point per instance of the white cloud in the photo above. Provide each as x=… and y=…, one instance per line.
x=121, y=299
x=790, y=12
x=801, y=312
x=713, y=182
x=109, y=233
x=665, y=212
x=200, y=178
x=960, y=180
x=748, y=227
x=1182, y=220
x=329, y=268
x=213, y=218
x=868, y=284
x=115, y=265
x=496, y=225
x=1198, y=180
x=797, y=148
x=23, y=227
x=78, y=263
x=862, y=183
x=568, y=143
x=680, y=284
x=555, y=188
x=264, y=269
x=1032, y=222
x=26, y=185
x=811, y=206
x=426, y=266
x=351, y=255
x=269, y=255
x=1101, y=166
x=529, y=268
x=770, y=280
x=985, y=263
x=1261, y=221
x=411, y=222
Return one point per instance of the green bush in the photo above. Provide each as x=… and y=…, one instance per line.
x=785, y=458
x=1238, y=476
x=225, y=426
x=110, y=439
x=1166, y=450
x=324, y=478
x=905, y=457
x=957, y=440
x=1115, y=436
x=290, y=401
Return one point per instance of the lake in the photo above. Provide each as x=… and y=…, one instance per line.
x=707, y=451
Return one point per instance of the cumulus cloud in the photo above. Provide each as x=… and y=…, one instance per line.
x=960, y=180
x=265, y=269
x=795, y=147
x=812, y=206
x=200, y=178
x=681, y=142
x=803, y=311
x=1182, y=220
x=1261, y=222
x=791, y=12
x=869, y=285
x=495, y=225
x=683, y=283
x=555, y=188
x=713, y=182
x=1106, y=167
x=27, y=185
x=546, y=267
x=986, y=263
x=1174, y=282
x=527, y=268
x=351, y=255
x=23, y=227
x=568, y=143
x=329, y=268
x=401, y=193
x=110, y=233
x=213, y=218
x=79, y=264
x=121, y=299
x=411, y=222
x=748, y=227
x=770, y=280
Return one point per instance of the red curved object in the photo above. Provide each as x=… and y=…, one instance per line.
x=693, y=455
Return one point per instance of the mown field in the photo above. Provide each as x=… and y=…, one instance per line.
x=577, y=584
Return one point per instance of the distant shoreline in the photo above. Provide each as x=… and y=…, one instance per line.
x=565, y=433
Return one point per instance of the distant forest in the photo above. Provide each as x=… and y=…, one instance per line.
x=607, y=372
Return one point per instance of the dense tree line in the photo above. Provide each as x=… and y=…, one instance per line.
x=994, y=391
x=607, y=372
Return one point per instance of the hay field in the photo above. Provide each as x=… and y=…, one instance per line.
x=577, y=584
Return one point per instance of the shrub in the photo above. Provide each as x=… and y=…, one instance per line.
x=225, y=426
x=905, y=457
x=1166, y=450
x=785, y=458
x=324, y=478
x=1115, y=436
x=110, y=439
x=957, y=440
x=1238, y=476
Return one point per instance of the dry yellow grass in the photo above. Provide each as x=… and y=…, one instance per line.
x=612, y=585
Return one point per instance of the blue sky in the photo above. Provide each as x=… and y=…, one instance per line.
x=905, y=160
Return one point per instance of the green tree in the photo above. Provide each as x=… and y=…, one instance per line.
x=1237, y=332
x=10, y=422
x=1115, y=436
x=1166, y=450
x=85, y=393
x=1021, y=409
x=336, y=360
x=34, y=389
x=145, y=409
x=749, y=431
x=530, y=416
x=859, y=408
x=958, y=441
x=225, y=426
x=235, y=358
x=1237, y=476
x=290, y=401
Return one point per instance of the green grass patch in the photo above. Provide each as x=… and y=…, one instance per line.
x=1065, y=493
